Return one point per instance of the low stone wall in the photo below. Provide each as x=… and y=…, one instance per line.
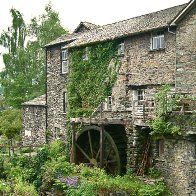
x=178, y=165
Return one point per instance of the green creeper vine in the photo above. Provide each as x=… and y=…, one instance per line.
x=91, y=78
x=162, y=124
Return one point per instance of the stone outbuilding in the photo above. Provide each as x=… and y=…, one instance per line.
x=34, y=121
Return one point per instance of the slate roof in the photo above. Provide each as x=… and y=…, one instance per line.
x=38, y=101
x=136, y=25
x=62, y=39
x=70, y=37
x=88, y=25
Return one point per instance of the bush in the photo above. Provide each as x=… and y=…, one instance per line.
x=23, y=188
x=4, y=188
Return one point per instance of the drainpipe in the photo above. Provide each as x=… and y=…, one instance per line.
x=169, y=31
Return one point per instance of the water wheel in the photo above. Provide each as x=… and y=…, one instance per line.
x=88, y=150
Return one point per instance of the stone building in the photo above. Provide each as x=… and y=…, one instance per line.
x=154, y=50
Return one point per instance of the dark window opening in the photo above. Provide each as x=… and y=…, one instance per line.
x=64, y=102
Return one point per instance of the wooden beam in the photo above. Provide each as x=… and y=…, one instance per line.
x=100, y=121
x=73, y=156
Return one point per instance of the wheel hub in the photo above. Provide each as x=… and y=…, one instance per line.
x=93, y=162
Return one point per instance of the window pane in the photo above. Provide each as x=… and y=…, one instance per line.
x=162, y=41
x=154, y=43
x=65, y=66
x=140, y=97
x=121, y=48
x=158, y=42
x=64, y=55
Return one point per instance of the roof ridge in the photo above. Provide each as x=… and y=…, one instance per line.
x=142, y=15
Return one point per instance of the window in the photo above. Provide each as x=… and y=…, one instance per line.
x=28, y=133
x=64, y=102
x=121, y=49
x=140, y=97
x=86, y=54
x=34, y=81
x=108, y=103
x=64, y=61
x=57, y=132
x=157, y=41
x=138, y=101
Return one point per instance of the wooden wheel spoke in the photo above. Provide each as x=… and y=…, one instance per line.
x=83, y=152
x=90, y=143
x=109, y=153
x=98, y=152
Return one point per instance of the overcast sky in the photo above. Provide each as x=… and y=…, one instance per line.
x=73, y=11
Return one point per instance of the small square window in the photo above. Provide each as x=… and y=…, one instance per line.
x=108, y=103
x=28, y=133
x=157, y=41
x=34, y=81
x=64, y=61
x=121, y=49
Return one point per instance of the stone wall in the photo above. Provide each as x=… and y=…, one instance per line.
x=178, y=165
x=34, y=125
x=186, y=54
x=56, y=87
x=142, y=66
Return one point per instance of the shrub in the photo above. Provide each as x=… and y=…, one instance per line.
x=23, y=189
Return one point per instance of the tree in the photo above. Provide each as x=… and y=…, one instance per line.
x=24, y=74
x=13, y=40
x=10, y=123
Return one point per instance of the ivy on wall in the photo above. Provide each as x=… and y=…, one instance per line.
x=92, y=74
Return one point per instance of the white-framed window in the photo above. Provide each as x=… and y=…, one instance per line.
x=85, y=56
x=64, y=61
x=157, y=41
x=121, y=49
x=64, y=102
x=140, y=96
x=108, y=103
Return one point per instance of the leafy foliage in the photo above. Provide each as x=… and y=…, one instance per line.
x=10, y=123
x=24, y=75
x=91, y=80
x=49, y=171
x=165, y=103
